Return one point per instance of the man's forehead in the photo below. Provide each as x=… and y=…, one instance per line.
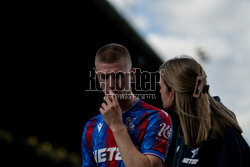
x=116, y=66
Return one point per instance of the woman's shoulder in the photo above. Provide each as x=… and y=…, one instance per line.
x=232, y=138
x=231, y=135
x=230, y=150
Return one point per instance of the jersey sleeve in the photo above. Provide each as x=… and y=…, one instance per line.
x=87, y=155
x=158, y=135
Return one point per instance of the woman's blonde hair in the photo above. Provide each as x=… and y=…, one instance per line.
x=201, y=116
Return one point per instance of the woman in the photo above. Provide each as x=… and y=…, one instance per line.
x=208, y=133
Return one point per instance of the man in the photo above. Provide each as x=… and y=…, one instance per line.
x=128, y=132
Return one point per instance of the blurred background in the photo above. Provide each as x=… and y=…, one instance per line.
x=216, y=33
x=48, y=51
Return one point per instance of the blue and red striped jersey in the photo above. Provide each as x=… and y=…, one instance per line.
x=150, y=129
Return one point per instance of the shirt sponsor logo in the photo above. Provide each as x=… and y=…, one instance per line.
x=165, y=131
x=107, y=154
x=190, y=161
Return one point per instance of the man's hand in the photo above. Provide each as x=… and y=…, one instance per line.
x=131, y=156
x=111, y=112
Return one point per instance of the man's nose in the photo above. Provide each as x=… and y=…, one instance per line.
x=112, y=83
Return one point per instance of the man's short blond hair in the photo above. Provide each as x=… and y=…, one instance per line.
x=112, y=53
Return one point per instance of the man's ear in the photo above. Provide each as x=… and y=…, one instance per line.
x=132, y=73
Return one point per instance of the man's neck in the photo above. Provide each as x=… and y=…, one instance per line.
x=125, y=104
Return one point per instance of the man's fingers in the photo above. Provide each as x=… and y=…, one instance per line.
x=104, y=105
x=101, y=110
x=113, y=96
x=108, y=100
x=111, y=92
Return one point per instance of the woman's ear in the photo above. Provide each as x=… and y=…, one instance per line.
x=172, y=94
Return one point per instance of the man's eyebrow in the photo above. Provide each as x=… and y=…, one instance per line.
x=120, y=73
x=103, y=73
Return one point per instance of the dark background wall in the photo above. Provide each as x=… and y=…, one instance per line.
x=49, y=49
